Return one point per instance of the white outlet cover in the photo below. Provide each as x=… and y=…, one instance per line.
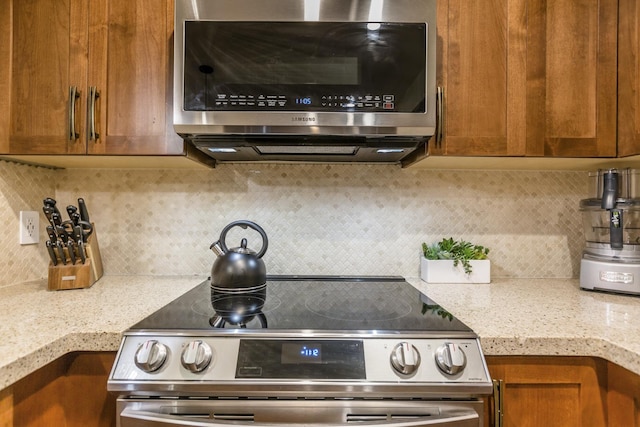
x=29, y=227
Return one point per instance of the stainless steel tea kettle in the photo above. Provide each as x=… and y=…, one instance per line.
x=238, y=269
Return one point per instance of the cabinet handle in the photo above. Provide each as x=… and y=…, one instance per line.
x=93, y=97
x=73, y=96
x=439, y=115
x=498, y=394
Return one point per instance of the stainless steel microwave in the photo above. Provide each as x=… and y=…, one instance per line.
x=305, y=80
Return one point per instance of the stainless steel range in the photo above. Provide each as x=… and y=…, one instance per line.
x=309, y=350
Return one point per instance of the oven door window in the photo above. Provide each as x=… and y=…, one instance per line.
x=304, y=66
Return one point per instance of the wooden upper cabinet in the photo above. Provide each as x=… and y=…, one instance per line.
x=476, y=58
x=629, y=78
x=130, y=65
x=528, y=77
x=571, y=78
x=45, y=43
x=121, y=48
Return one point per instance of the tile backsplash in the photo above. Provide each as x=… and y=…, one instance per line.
x=320, y=219
x=22, y=188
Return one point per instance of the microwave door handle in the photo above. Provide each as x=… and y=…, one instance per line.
x=463, y=417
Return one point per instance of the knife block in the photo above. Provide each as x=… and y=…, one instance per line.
x=78, y=275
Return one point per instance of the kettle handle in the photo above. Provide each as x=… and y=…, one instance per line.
x=244, y=224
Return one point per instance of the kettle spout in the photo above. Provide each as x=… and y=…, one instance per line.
x=216, y=248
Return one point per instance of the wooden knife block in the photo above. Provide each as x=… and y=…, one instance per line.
x=78, y=275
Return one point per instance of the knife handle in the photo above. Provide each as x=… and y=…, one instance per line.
x=77, y=232
x=75, y=218
x=52, y=254
x=48, y=211
x=71, y=250
x=56, y=218
x=63, y=257
x=81, y=251
x=51, y=204
x=86, y=229
x=62, y=234
x=52, y=234
x=84, y=213
x=49, y=201
x=71, y=210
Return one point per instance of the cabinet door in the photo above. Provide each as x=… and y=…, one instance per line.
x=130, y=57
x=623, y=399
x=548, y=391
x=480, y=63
x=528, y=77
x=44, y=46
x=70, y=391
x=571, y=78
x=629, y=78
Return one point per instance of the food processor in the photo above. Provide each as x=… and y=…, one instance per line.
x=611, y=222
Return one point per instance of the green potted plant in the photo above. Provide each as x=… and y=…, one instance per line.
x=455, y=261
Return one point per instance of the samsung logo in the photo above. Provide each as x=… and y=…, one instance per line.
x=303, y=119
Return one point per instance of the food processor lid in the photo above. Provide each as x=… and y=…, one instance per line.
x=628, y=183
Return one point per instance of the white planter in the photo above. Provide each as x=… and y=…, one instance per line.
x=443, y=271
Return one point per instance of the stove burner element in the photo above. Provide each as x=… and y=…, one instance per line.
x=373, y=303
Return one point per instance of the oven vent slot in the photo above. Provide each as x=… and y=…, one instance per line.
x=204, y=415
x=234, y=417
x=355, y=418
x=409, y=416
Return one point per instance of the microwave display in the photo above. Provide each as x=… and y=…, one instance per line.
x=305, y=66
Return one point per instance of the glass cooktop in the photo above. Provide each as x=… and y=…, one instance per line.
x=320, y=303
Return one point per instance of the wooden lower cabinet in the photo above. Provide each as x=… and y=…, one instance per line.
x=551, y=391
x=623, y=397
x=69, y=392
x=6, y=408
x=564, y=391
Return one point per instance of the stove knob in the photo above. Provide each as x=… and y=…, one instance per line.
x=405, y=358
x=450, y=358
x=196, y=356
x=151, y=355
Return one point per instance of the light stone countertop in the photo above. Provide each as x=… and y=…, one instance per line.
x=512, y=317
x=545, y=317
x=38, y=326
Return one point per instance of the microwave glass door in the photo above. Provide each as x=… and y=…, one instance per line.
x=304, y=66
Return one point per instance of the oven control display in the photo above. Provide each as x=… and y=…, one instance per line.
x=301, y=353
x=300, y=359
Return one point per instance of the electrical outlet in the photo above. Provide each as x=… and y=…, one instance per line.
x=29, y=227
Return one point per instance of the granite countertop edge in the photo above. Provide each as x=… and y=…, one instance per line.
x=541, y=317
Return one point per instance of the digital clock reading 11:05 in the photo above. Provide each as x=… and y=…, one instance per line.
x=304, y=101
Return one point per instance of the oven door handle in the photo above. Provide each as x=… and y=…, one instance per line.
x=136, y=418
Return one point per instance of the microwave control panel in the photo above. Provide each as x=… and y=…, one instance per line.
x=357, y=103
